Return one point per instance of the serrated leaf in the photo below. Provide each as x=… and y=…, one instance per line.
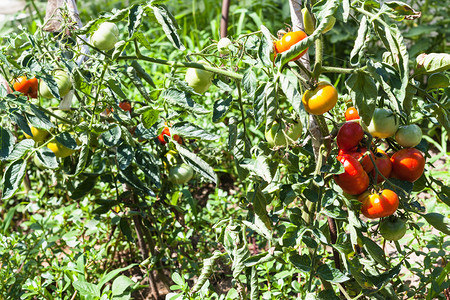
x=294, y=97
x=221, y=108
x=12, y=178
x=134, y=19
x=169, y=25
x=147, y=163
x=249, y=82
x=183, y=100
x=301, y=262
x=82, y=159
x=207, y=269
x=66, y=139
x=20, y=149
x=6, y=143
x=136, y=80
x=363, y=91
x=258, y=105
x=360, y=43
x=198, y=164
x=188, y=130
x=375, y=251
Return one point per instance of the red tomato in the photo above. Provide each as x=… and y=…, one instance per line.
x=354, y=180
x=407, y=164
x=349, y=135
x=28, y=87
x=288, y=40
x=379, y=205
x=359, y=155
x=351, y=114
x=384, y=165
x=125, y=105
x=166, y=131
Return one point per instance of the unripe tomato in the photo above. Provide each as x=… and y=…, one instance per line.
x=166, y=131
x=349, y=135
x=223, y=46
x=354, y=180
x=106, y=36
x=62, y=81
x=288, y=40
x=360, y=155
x=392, y=229
x=59, y=149
x=28, y=87
x=378, y=205
x=407, y=164
x=384, y=123
x=384, y=165
x=283, y=134
x=198, y=79
x=321, y=99
x=409, y=135
x=308, y=21
x=180, y=174
x=39, y=135
x=125, y=105
x=351, y=114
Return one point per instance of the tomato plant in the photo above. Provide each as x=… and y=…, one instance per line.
x=321, y=99
x=409, y=135
x=106, y=36
x=392, y=228
x=378, y=205
x=384, y=166
x=351, y=114
x=407, y=164
x=349, y=135
x=28, y=87
x=181, y=173
x=354, y=180
x=383, y=124
x=289, y=39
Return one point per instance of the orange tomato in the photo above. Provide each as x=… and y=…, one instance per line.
x=28, y=87
x=166, y=131
x=288, y=40
x=321, y=99
x=379, y=205
x=407, y=164
x=351, y=114
x=125, y=105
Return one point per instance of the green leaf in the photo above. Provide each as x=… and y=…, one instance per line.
x=126, y=229
x=363, y=91
x=20, y=149
x=125, y=156
x=262, y=218
x=188, y=130
x=47, y=158
x=149, y=116
x=250, y=82
x=301, y=262
x=6, y=143
x=294, y=97
x=12, y=178
x=169, y=25
x=142, y=73
x=432, y=63
x=114, y=85
x=178, y=279
x=84, y=187
x=129, y=177
x=360, y=43
x=134, y=19
x=111, y=137
x=120, y=284
x=438, y=221
x=106, y=278
x=331, y=274
x=183, y=100
x=221, y=108
x=82, y=159
x=136, y=80
x=375, y=251
x=399, y=11
x=147, y=163
x=66, y=139
x=86, y=289
x=258, y=105
x=207, y=269
x=266, y=49
x=198, y=164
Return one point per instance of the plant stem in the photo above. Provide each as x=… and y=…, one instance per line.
x=319, y=58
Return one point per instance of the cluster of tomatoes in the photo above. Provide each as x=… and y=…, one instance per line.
x=364, y=167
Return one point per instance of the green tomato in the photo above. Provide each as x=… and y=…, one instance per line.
x=223, y=46
x=198, y=79
x=106, y=36
x=180, y=174
x=408, y=136
x=392, y=229
x=384, y=123
x=308, y=21
x=62, y=81
x=283, y=134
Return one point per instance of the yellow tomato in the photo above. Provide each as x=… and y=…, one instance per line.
x=39, y=135
x=60, y=150
x=321, y=99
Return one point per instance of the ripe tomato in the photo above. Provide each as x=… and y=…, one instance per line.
x=60, y=150
x=384, y=165
x=354, y=180
x=349, y=135
x=106, y=36
x=409, y=135
x=28, y=87
x=384, y=123
x=407, y=164
x=392, y=228
x=38, y=135
x=351, y=114
x=288, y=40
x=283, y=134
x=378, y=205
x=62, y=81
x=198, y=79
x=223, y=46
x=321, y=99
x=166, y=131
x=180, y=174
x=125, y=105
x=360, y=155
